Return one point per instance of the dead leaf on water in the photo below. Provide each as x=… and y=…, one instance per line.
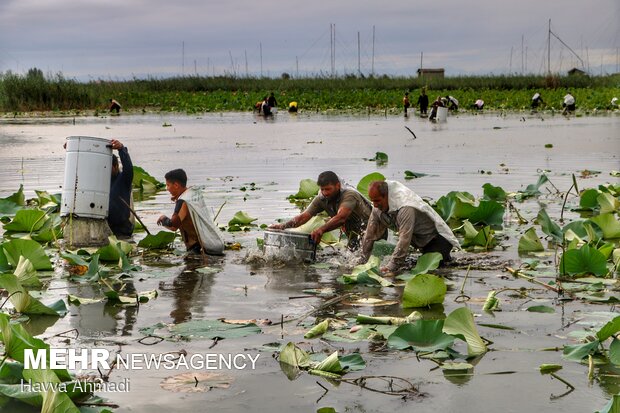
x=370, y=302
x=196, y=382
x=78, y=269
x=260, y=322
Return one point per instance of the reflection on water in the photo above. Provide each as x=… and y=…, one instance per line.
x=190, y=289
x=105, y=318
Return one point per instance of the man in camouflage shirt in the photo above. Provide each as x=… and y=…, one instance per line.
x=345, y=205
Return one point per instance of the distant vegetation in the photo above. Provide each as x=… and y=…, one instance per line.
x=35, y=91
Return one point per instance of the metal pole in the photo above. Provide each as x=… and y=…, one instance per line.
x=373, y=50
x=359, y=69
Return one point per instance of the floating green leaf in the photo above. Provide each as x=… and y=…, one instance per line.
x=75, y=300
x=609, y=224
x=16, y=339
x=426, y=263
x=29, y=249
x=549, y=368
x=162, y=239
x=492, y=302
x=580, y=351
x=494, y=193
x=317, y=222
x=532, y=189
x=318, y=329
x=211, y=329
x=413, y=175
x=424, y=290
x=422, y=335
x=53, y=401
x=541, y=309
x=609, y=329
x=352, y=362
x=330, y=364
x=474, y=238
x=27, y=220
x=583, y=261
x=608, y=203
x=26, y=274
x=48, y=201
x=307, y=189
x=112, y=252
x=380, y=158
x=529, y=242
x=242, y=219
x=460, y=323
x=614, y=352
x=488, y=212
x=115, y=298
x=13, y=203
x=365, y=182
x=24, y=302
x=144, y=181
x=549, y=227
x=587, y=199
x=294, y=356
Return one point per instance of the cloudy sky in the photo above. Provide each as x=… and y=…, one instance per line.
x=119, y=39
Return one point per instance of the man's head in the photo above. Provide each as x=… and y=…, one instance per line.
x=329, y=183
x=378, y=194
x=406, y=93
x=176, y=181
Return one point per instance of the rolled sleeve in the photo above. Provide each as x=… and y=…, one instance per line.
x=405, y=221
x=374, y=231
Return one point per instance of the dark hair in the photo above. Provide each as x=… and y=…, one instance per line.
x=177, y=175
x=114, y=160
x=380, y=186
x=327, y=178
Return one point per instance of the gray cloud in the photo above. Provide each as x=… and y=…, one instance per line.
x=119, y=38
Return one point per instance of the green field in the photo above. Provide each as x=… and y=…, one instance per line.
x=34, y=92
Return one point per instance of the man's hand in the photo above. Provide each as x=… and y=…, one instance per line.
x=161, y=219
x=387, y=272
x=316, y=235
x=276, y=226
x=116, y=144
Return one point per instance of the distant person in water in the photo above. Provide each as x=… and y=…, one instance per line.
x=568, y=104
x=452, y=103
x=423, y=102
x=272, y=101
x=265, y=108
x=115, y=107
x=537, y=100
x=438, y=103
x=478, y=105
x=406, y=103
x=292, y=107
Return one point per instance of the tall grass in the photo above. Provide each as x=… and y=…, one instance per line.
x=36, y=92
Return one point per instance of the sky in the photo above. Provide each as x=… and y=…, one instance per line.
x=122, y=39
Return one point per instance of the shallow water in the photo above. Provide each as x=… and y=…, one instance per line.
x=224, y=152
